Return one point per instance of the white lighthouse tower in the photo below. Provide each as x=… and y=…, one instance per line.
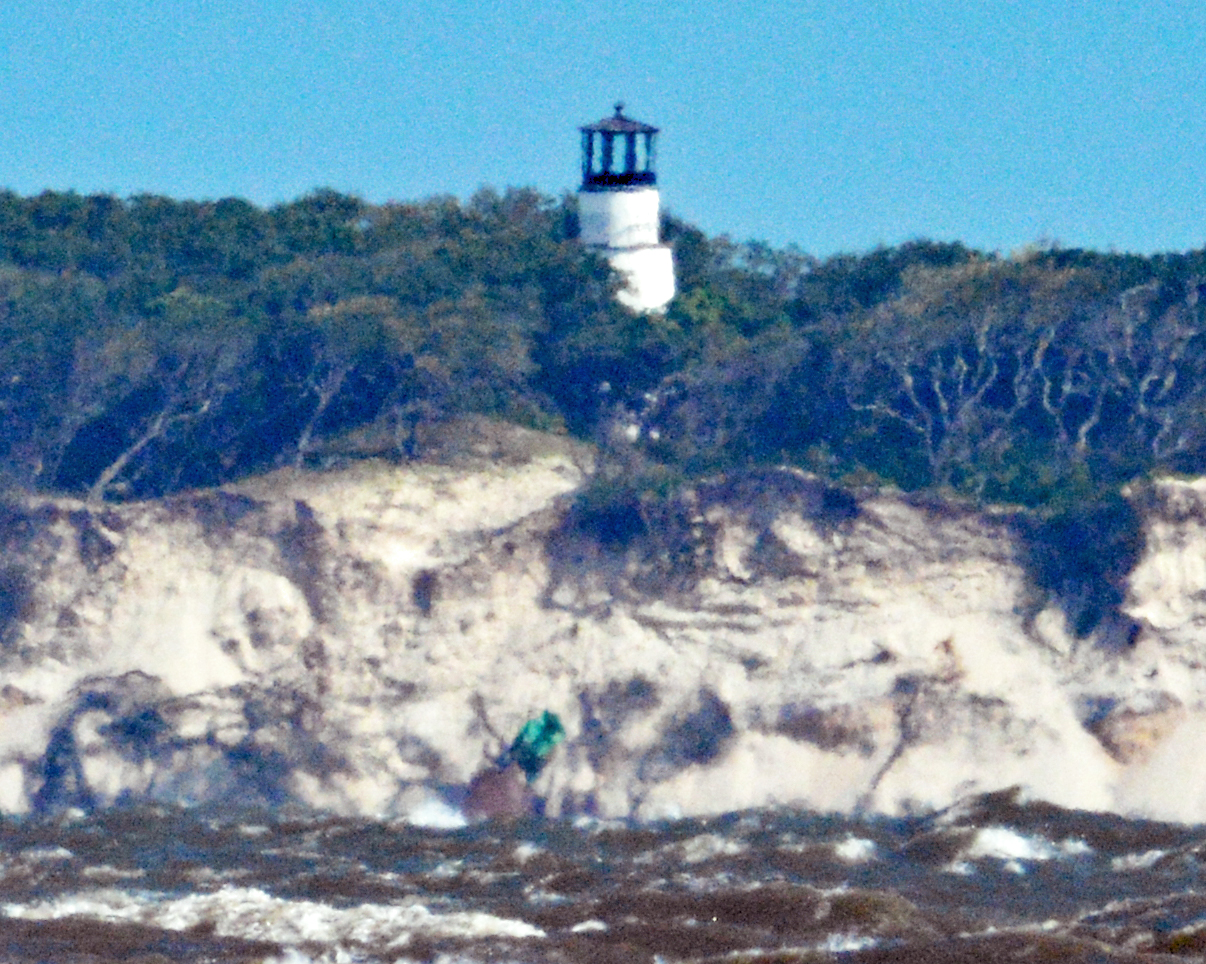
x=619, y=208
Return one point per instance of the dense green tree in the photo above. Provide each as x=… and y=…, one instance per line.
x=148, y=344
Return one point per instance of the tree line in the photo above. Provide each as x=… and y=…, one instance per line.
x=149, y=345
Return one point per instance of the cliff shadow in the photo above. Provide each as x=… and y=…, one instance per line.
x=127, y=739
x=1081, y=559
x=29, y=547
x=645, y=536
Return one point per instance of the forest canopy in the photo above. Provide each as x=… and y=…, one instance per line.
x=149, y=345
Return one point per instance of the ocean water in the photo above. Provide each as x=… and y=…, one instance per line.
x=992, y=879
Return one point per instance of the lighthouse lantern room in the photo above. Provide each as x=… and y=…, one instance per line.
x=619, y=208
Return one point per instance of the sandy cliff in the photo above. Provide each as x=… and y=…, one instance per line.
x=364, y=639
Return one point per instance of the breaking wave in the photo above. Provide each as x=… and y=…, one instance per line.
x=995, y=878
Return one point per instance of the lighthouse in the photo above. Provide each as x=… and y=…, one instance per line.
x=619, y=208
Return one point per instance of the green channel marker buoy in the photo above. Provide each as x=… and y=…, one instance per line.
x=530, y=750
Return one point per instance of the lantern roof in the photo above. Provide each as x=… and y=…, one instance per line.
x=619, y=124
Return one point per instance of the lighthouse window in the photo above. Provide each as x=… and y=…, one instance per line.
x=640, y=152
x=630, y=153
x=596, y=161
x=617, y=158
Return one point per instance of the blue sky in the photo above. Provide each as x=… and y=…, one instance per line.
x=834, y=126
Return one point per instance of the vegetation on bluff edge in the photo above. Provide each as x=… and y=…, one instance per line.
x=149, y=345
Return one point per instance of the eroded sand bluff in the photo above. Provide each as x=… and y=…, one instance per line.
x=364, y=639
